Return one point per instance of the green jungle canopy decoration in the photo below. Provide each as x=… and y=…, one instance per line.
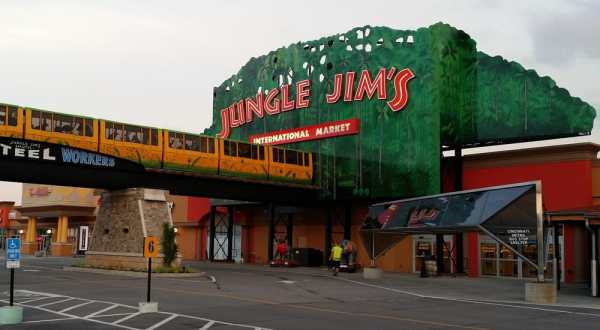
x=454, y=96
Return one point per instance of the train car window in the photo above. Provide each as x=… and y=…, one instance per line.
x=119, y=132
x=175, y=140
x=63, y=124
x=254, y=151
x=154, y=136
x=193, y=142
x=211, y=145
x=77, y=126
x=144, y=136
x=244, y=150
x=109, y=130
x=275, y=155
x=89, y=127
x=12, y=116
x=2, y=114
x=306, y=159
x=230, y=148
x=35, y=119
x=133, y=134
x=203, y=144
x=291, y=157
x=47, y=121
x=261, y=152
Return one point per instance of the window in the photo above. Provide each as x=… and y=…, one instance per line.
x=109, y=130
x=47, y=121
x=144, y=136
x=2, y=114
x=193, y=142
x=306, y=161
x=12, y=116
x=154, y=136
x=211, y=145
x=203, y=144
x=175, y=140
x=119, y=132
x=278, y=155
x=133, y=134
x=244, y=150
x=254, y=152
x=35, y=119
x=89, y=127
x=63, y=124
x=291, y=157
x=77, y=126
x=230, y=148
x=261, y=152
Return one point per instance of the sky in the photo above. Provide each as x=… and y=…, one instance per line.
x=156, y=62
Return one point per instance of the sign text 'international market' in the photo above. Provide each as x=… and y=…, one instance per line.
x=278, y=100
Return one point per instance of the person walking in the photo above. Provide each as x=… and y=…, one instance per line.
x=335, y=256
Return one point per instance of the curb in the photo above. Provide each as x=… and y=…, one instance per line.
x=133, y=274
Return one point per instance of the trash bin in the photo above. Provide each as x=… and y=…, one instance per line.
x=431, y=267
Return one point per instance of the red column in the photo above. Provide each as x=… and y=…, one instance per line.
x=473, y=253
x=569, y=262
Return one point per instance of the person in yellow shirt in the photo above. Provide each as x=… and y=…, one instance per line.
x=335, y=256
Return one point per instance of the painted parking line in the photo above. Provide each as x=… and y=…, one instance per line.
x=66, y=314
x=497, y=303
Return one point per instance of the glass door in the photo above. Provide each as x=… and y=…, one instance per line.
x=422, y=250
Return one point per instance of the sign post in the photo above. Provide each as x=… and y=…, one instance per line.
x=150, y=251
x=12, y=314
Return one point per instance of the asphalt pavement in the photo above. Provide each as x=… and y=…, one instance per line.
x=258, y=297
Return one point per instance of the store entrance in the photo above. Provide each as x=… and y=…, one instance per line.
x=424, y=248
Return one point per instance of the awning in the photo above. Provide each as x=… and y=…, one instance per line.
x=511, y=214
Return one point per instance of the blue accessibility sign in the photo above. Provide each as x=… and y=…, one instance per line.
x=13, y=253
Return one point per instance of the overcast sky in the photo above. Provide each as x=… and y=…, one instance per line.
x=156, y=62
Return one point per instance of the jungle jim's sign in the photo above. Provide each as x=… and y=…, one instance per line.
x=279, y=100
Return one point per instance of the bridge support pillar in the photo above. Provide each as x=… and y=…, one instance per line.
x=124, y=218
x=62, y=247
x=29, y=245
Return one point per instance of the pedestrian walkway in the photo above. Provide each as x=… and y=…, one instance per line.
x=42, y=308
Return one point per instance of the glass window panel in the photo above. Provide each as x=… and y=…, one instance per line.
x=132, y=134
x=211, y=145
x=226, y=148
x=306, y=162
x=509, y=268
x=254, y=151
x=109, y=130
x=77, y=126
x=154, y=136
x=291, y=157
x=144, y=136
x=35, y=119
x=203, y=144
x=276, y=155
x=261, y=150
x=12, y=116
x=89, y=127
x=46, y=121
x=244, y=150
x=193, y=142
x=119, y=132
x=2, y=114
x=488, y=267
x=175, y=140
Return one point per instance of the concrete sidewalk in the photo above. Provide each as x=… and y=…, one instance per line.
x=484, y=289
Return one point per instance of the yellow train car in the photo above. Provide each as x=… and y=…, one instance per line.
x=11, y=121
x=290, y=165
x=190, y=152
x=136, y=143
x=243, y=159
x=52, y=127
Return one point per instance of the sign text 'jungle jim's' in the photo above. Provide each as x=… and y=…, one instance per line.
x=278, y=100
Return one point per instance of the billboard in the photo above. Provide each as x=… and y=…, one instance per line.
x=409, y=92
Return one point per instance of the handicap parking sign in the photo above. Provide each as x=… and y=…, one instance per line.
x=13, y=253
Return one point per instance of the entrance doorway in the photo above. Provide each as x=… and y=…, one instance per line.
x=221, y=242
x=424, y=247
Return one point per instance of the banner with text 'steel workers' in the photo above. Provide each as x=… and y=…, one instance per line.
x=375, y=105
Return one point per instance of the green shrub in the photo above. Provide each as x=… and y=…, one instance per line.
x=169, y=247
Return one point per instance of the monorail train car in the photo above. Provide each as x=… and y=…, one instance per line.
x=157, y=148
x=52, y=127
x=11, y=121
x=190, y=152
x=140, y=144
